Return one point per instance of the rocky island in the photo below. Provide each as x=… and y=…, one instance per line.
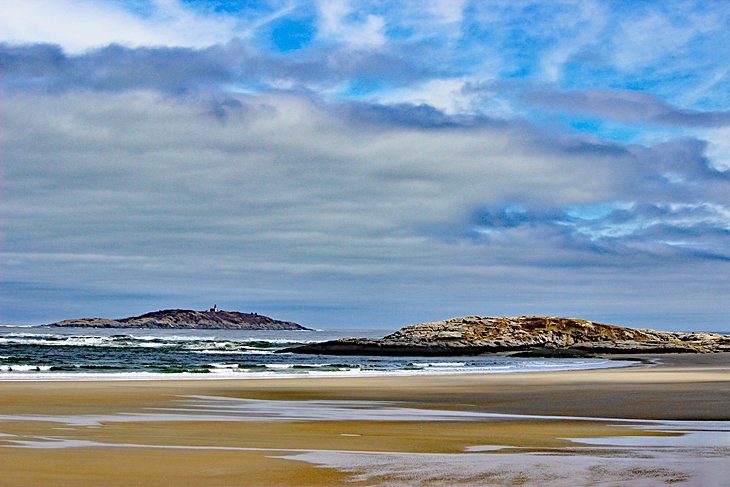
x=521, y=336
x=214, y=318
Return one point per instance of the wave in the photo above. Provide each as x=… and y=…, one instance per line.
x=130, y=341
x=438, y=364
x=109, y=354
x=233, y=352
x=263, y=372
x=25, y=368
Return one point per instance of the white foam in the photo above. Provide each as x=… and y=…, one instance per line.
x=234, y=352
x=439, y=364
x=280, y=371
x=222, y=366
x=164, y=340
x=53, y=340
x=24, y=368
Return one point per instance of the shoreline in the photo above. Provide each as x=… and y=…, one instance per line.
x=43, y=376
x=611, y=361
x=653, y=379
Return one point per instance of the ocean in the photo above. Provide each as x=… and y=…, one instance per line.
x=45, y=353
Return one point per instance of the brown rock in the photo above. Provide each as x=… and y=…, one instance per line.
x=535, y=335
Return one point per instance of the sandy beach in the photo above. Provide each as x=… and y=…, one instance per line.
x=651, y=424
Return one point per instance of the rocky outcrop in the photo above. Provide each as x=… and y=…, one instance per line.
x=523, y=335
x=183, y=318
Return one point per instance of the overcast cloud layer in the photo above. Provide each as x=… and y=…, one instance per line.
x=356, y=164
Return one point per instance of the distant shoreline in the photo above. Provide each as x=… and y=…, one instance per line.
x=181, y=319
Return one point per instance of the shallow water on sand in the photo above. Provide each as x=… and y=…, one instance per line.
x=695, y=453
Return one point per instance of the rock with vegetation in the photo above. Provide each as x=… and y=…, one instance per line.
x=523, y=335
x=183, y=318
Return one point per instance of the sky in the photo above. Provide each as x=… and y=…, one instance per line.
x=366, y=164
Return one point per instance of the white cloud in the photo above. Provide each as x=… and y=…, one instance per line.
x=585, y=21
x=704, y=88
x=446, y=11
x=642, y=41
x=281, y=199
x=335, y=24
x=718, y=147
x=446, y=95
x=79, y=25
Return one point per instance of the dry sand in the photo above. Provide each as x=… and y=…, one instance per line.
x=115, y=432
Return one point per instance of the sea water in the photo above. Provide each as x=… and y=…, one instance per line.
x=48, y=353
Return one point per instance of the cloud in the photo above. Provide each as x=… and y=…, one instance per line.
x=718, y=147
x=287, y=201
x=336, y=23
x=446, y=11
x=234, y=65
x=88, y=24
x=626, y=106
x=266, y=136
x=446, y=95
x=389, y=161
x=585, y=22
x=663, y=230
x=656, y=34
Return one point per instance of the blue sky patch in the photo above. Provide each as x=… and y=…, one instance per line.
x=292, y=34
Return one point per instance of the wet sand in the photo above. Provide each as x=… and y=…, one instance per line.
x=116, y=432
